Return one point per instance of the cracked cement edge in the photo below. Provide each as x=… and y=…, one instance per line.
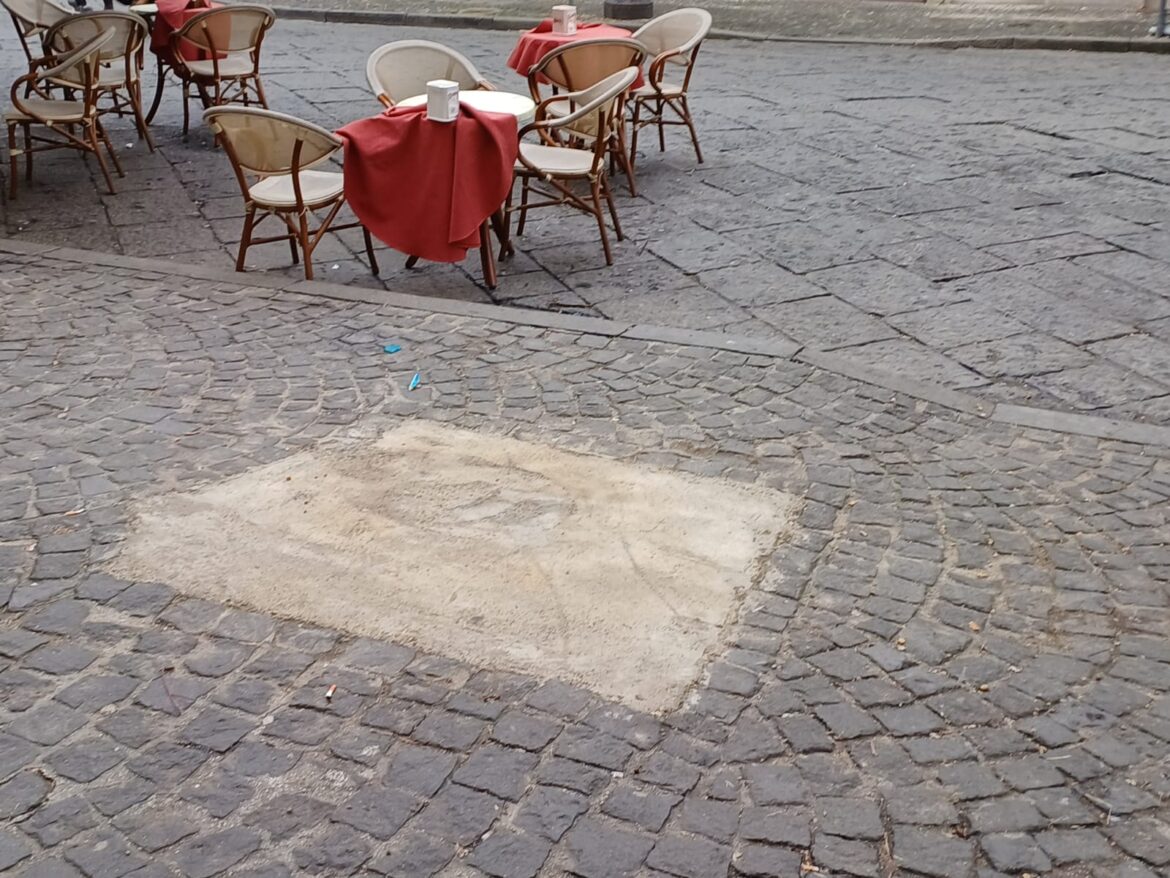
x=503, y=22
x=1096, y=426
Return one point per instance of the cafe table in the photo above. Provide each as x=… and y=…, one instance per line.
x=533, y=45
x=166, y=17
x=434, y=190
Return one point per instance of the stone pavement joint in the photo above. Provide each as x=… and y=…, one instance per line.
x=955, y=664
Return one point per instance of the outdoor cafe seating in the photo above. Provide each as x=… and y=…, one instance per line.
x=39, y=113
x=120, y=61
x=446, y=166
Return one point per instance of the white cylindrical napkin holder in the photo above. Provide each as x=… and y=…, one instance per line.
x=442, y=100
x=564, y=19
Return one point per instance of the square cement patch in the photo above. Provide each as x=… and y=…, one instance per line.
x=503, y=553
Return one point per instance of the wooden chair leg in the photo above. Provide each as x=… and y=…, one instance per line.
x=624, y=157
x=96, y=148
x=109, y=147
x=661, y=126
x=12, y=160
x=139, y=116
x=486, y=256
x=523, y=206
x=306, y=246
x=28, y=152
x=686, y=114
x=617, y=226
x=246, y=237
x=595, y=191
x=186, y=108
x=635, y=124
x=506, y=248
x=293, y=249
x=411, y=261
x=260, y=93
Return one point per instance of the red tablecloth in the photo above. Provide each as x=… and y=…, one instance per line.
x=423, y=187
x=541, y=40
x=172, y=15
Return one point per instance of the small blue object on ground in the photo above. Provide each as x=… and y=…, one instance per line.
x=415, y=381
x=391, y=348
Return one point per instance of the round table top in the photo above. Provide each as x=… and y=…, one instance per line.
x=534, y=44
x=520, y=106
x=584, y=32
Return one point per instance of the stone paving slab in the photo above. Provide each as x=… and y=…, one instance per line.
x=956, y=665
x=993, y=221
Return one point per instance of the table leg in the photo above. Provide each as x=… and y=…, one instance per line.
x=487, y=256
x=158, y=89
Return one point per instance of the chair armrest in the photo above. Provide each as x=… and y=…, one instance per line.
x=31, y=79
x=541, y=128
x=654, y=72
x=547, y=134
x=484, y=85
x=541, y=104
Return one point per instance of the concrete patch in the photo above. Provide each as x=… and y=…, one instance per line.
x=497, y=551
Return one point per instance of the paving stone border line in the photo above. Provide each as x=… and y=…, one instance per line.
x=503, y=22
x=1016, y=415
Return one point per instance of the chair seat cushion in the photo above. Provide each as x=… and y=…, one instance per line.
x=57, y=111
x=235, y=64
x=647, y=91
x=317, y=187
x=559, y=161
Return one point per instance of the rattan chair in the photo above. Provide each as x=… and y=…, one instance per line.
x=119, y=77
x=280, y=152
x=37, y=107
x=32, y=18
x=403, y=69
x=559, y=167
x=577, y=66
x=674, y=40
x=228, y=41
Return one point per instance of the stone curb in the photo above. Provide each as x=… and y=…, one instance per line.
x=504, y=22
x=1021, y=416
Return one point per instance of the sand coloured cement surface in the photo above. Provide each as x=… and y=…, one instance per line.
x=501, y=552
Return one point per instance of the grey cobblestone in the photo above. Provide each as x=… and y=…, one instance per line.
x=831, y=728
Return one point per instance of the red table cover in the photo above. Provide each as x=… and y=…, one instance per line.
x=423, y=187
x=538, y=42
x=172, y=15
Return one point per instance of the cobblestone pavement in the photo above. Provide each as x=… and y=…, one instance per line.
x=957, y=664
x=994, y=221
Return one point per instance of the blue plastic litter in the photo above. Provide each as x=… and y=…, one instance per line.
x=415, y=381
x=391, y=348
